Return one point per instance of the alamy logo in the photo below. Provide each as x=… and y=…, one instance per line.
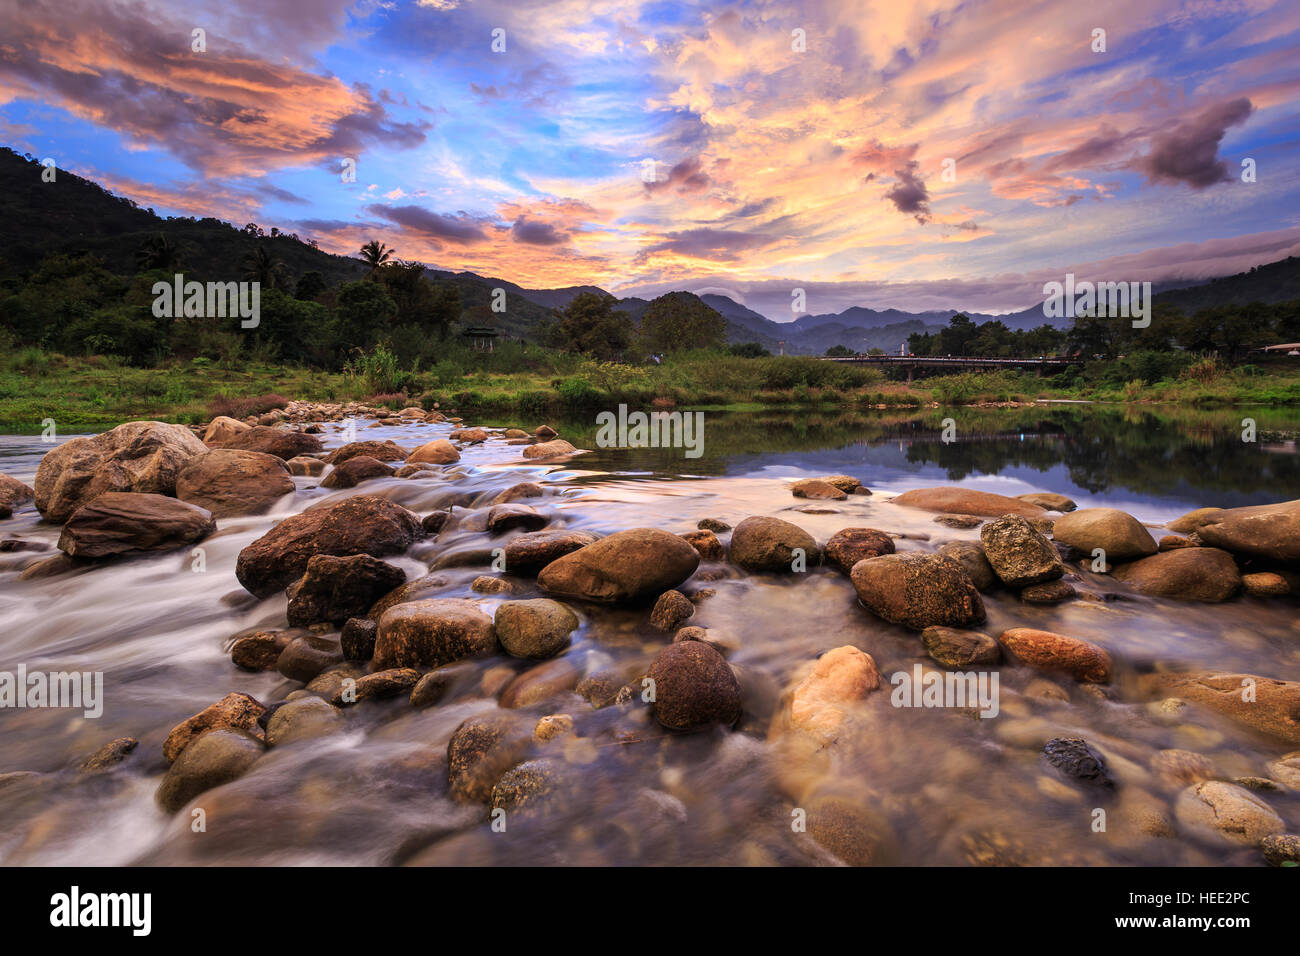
x=653, y=430
x=1108, y=300
x=73, y=909
x=82, y=691
x=977, y=689
x=210, y=300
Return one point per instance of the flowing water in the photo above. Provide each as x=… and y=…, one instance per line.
x=935, y=785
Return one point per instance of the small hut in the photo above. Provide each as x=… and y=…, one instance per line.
x=481, y=337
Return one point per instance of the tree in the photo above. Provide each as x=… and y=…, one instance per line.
x=365, y=314
x=263, y=267
x=839, y=351
x=376, y=254
x=589, y=324
x=310, y=285
x=749, y=350
x=956, y=339
x=678, y=321
x=158, y=252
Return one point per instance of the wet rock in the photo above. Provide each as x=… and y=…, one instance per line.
x=1018, y=553
x=541, y=683
x=305, y=657
x=305, y=466
x=1265, y=584
x=1280, y=848
x=1074, y=759
x=381, y=685
x=958, y=521
x=671, y=610
x=1269, y=706
x=378, y=450
x=1262, y=531
x=535, y=629
x=109, y=755
x=230, y=482
x=363, y=524
x=334, y=588
x=531, y=783
x=956, y=648
x=469, y=436
x=1190, y=574
x=970, y=555
x=121, y=522
x=856, y=834
x=848, y=546
x=713, y=524
x=529, y=553
x=770, y=544
x=280, y=442
x=437, y=452
x=235, y=711
x=1182, y=767
x=706, y=545
x=552, y=726
x=355, y=470
x=1052, y=592
x=604, y=688
x=1117, y=533
x=418, y=470
x=1048, y=501
x=525, y=489
x=304, y=719
x=953, y=500
x=821, y=702
x=1287, y=769
x=817, y=489
x=432, y=523
x=261, y=650
x=918, y=590
x=1217, y=808
x=1171, y=542
x=432, y=688
x=358, y=638
x=13, y=494
x=846, y=483
x=549, y=449
x=503, y=518
x=216, y=758
x=544, y=432
x=144, y=457
x=1057, y=652
x=479, y=753
x=54, y=565
x=625, y=567
x=418, y=590
x=222, y=428
x=487, y=584
x=1189, y=522
x=693, y=687
x=431, y=633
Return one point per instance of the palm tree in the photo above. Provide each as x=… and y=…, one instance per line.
x=158, y=252
x=376, y=254
x=262, y=267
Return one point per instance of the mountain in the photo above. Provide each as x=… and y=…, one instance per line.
x=1275, y=282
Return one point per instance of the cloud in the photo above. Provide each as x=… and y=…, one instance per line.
x=459, y=229
x=909, y=194
x=537, y=233
x=1189, y=153
x=721, y=245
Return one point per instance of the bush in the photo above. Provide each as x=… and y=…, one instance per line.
x=578, y=393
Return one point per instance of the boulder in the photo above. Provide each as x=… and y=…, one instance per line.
x=770, y=544
x=956, y=648
x=1189, y=522
x=355, y=470
x=480, y=751
x=1048, y=501
x=970, y=555
x=357, y=638
x=821, y=702
x=216, y=758
x=378, y=450
x=1018, y=553
x=438, y=452
x=270, y=440
x=848, y=546
x=381, y=685
x=13, y=493
x=967, y=501
x=143, y=457
x=502, y=518
x=918, y=590
x=1117, y=533
x=846, y=483
x=223, y=428
x=524, y=489
x=230, y=482
x=431, y=633
x=541, y=683
x=335, y=588
x=234, y=711
x=671, y=610
x=958, y=521
x=693, y=687
x=303, y=719
x=706, y=545
x=1269, y=706
x=305, y=657
x=121, y=522
x=1057, y=652
x=1265, y=584
x=1075, y=760
x=1049, y=592
x=817, y=489
x=1219, y=809
x=1188, y=574
x=544, y=432
x=1261, y=531
x=260, y=650
x=535, y=629
x=363, y=524
x=529, y=553
x=549, y=449
x=305, y=466
x=625, y=567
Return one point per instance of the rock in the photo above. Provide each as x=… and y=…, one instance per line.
x=280, y=442
x=13, y=493
x=706, y=545
x=552, y=726
x=1273, y=707
x=54, y=565
x=303, y=719
x=1265, y=584
x=967, y=501
x=857, y=835
x=378, y=450
x=431, y=688
x=469, y=436
x=544, y=432
x=770, y=544
x=229, y=482
x=1052, y=592
x=1190, y=521
x=381, y=685
x=1287, y=769
x=260, y=650
x=223, y=428
x=1074, y=759
x=479, y=753
x=846, y=483
x=817, y=489
x=433, y=523
x=334, y=589
x=848, y=546
x=955, y=648
x=355, y=470
x=109, y=755
x=121, y=522
x=1057, y=652
x=487, y=584
x=713, y=524
x=529, y=553
x=1261, y=531
x=549, y=449
x=438, y=452
x=525, y=489
x=671, y=610
x=1182, y=767
x=958, y=521
x=431, y=633
x=216, y=758
x=1048, y=501
x=970, y=555
x=358, y=638
x=918, y=590
x=305, y=657
x=516, y=433
x=418, y=470
x=1019, y=554
x=503, y=518
x=625, y=567
x=1117, y=533
x=693, y=687
x=143, y=457
x=363, y=524
x=1190, y=574
x=234, y=712
x=535, y=629
x=1217, y=808
x=417, y=590
x=1280, y=848
x=1171, y=542
x=821, y=702
x=305, y=466
x=540, y=684
x=529, y=784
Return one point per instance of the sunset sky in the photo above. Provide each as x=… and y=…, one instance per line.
x=772, y=168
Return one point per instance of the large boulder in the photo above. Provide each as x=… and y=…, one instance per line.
x=335, y=588
x=216, y=758
x=121, y=522
x=693, y=687
x=770, y=544
x=1186, y=524
x=957, y=648
x=848, y=546
x=1116, y=532
x=431, y=633
x=480, y=751
x=222, y=428
x=378, y=450
x=626, y=567
x=507, y=517
x=1269, y=706
x=537, y=629
x=137, y=456
x=1048, y=651
x=231, y=482
x=1188, y=574
x=355, y=470
x=918, y=590
x=1262, y=531
x=12, y=494
x=280, y=442
x=360, y=525
x=817, y=489
x=1222, y=809
x=970, y=555
x=550, y=449
x=1018, y=552
x=967, y=501
x=437, y=452
x=822, y=701
x=529, y=553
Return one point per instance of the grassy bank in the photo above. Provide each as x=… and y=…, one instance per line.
x=95, y=392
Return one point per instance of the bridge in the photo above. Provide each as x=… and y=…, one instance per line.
x=956, y=363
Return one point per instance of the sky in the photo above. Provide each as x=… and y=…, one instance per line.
x=914, y=155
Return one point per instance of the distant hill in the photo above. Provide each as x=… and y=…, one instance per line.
x=1275, y=282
